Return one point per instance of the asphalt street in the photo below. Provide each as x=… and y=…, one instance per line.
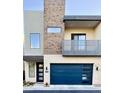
x=62, y=91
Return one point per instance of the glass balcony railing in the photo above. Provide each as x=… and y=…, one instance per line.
x=81, y=48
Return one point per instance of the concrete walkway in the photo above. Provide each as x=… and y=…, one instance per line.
x=61, y=87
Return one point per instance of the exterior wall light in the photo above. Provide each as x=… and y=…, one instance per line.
x=97, y=68
x=46, y=69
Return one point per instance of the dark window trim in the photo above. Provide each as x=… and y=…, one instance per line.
x=72, y=35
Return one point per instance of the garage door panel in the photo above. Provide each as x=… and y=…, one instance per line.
x=71, y=74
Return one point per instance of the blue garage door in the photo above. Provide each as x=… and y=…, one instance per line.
x=71, y=74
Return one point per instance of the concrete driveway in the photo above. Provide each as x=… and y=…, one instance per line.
x=62, y=91
x=38, y=88
x=62, y=87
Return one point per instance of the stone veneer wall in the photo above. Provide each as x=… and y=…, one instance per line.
x=53, y=17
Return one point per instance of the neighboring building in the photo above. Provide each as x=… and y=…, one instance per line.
x=69, y=48
x=33, y=45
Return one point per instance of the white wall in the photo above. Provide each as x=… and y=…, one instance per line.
x=91, y=33
x=88, y=31
x=98, y=32
x=33, y=23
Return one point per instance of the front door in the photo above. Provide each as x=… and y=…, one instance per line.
x=39, y=72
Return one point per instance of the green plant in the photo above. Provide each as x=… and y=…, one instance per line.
x=28, y=83
x=46, y=84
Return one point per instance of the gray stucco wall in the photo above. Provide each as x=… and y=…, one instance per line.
x=33, y=23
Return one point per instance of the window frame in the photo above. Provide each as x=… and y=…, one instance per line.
x=39, y=41
x=73, y=34
x=54, y=27
x=78, y=46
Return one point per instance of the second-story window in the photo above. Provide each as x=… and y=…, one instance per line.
x=53, y=30
x=78, y=41
x=78, y=36
x=35, y=40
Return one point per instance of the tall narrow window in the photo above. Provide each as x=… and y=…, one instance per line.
x=31, y=69
x=35, y=40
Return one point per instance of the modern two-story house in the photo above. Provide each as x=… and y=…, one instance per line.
x=62, y=49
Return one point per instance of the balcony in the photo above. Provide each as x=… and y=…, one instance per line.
x=82, y=21
x=81, y=48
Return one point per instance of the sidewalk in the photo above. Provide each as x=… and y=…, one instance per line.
x=61, y=87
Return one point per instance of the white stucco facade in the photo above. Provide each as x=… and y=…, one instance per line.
x=33, y=23
x=48, y=59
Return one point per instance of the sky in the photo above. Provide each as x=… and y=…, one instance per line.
x=33, y=4
x=72, y=7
